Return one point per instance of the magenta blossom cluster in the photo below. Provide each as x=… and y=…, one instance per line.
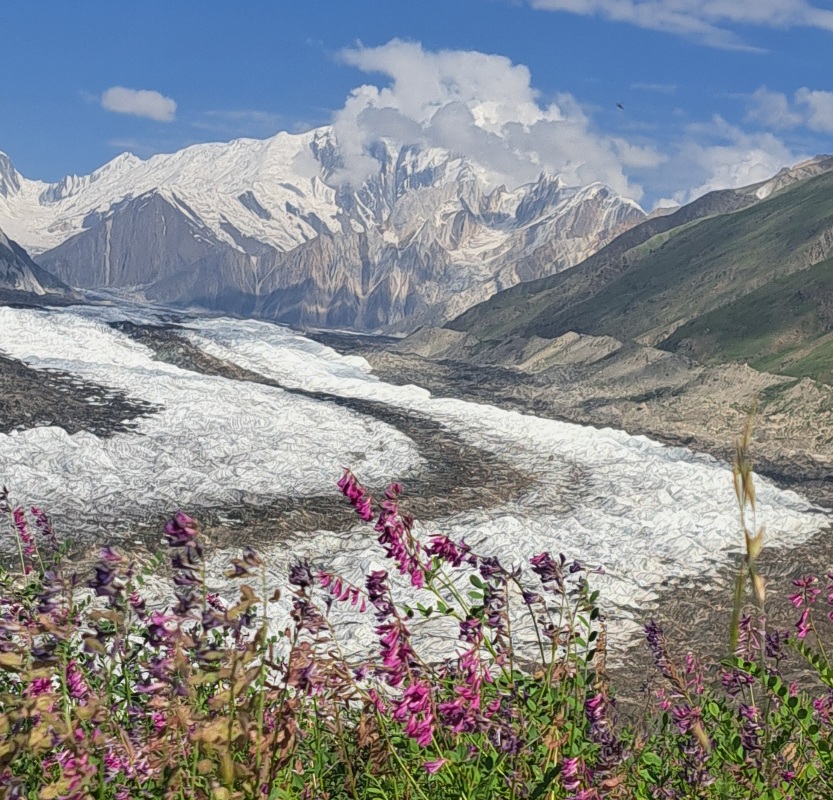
x=394, y=530
x=414, y=708
x=357, y=495
x=452, y=552
x=805, y=598
x=341, y=590
x=463, y=714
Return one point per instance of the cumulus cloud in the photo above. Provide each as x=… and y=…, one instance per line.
x=139, y=102
x=480, y=105
x=818, y=109
x=705, y=21
x=486, y=108
x=809, y=108
x=719, y=155
x=772, y=109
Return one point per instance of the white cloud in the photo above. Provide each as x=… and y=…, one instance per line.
x=818, y=109
x=702, y=20
x=638, y=156
x=772, y=109
x=809, y=108
x=485, y=107
x=139, y=102
x=480, y=105
x=722, y=156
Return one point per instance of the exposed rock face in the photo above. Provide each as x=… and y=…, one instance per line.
x=21, y=278
x=260, y=228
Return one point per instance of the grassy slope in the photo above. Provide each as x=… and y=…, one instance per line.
x=738, y=284
x=785, y=326
x=510, y=311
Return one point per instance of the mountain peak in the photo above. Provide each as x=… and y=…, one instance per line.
x=9, y=176
x=269, y=226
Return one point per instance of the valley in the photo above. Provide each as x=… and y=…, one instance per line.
x=523, y=418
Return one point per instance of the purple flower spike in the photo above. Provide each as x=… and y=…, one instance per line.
x=300, y=575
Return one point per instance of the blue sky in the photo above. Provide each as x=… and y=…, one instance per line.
x=715, y=92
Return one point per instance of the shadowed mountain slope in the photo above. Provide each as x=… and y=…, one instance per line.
x=22, y=280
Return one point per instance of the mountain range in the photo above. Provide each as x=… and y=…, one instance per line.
x=266, y=228
x=743, y=275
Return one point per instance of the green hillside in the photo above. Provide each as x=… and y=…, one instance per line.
x=785, y=327
x=740, y=286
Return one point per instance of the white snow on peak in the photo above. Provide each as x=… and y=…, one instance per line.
x=208, y=177
x=278, y=191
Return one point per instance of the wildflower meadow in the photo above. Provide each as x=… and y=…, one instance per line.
x=103, y=695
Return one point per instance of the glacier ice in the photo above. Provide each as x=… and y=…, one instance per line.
x=644, y=511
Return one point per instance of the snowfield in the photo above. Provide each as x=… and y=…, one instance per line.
x=641, y=510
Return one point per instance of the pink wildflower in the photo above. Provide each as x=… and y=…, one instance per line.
x=463, y=713
x=181, y=530
x=808, y=591
x=394, y=529
x=377, y=701
x=824, y=708
x=415, y=707
x=356, y=494
x=341, y=590
x=26, y=538
x=664, y=703
x=38, y=686
x=396, y=651
x=571, y=769
x=803, y=624
x=76, y=685
x=433, y=767
x=447, y=550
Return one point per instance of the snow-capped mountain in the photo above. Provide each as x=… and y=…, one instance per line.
x=264, y=228
x=21, y=278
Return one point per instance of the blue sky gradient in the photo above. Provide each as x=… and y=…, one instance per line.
x=692, y=91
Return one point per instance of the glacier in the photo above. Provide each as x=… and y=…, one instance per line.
x=640, y=510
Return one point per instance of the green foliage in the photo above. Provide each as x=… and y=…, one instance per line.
x=105, y=698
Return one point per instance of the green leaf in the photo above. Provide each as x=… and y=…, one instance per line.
x=824, y=672
x=475, y=581
x=426, y=612
x=545, y=782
